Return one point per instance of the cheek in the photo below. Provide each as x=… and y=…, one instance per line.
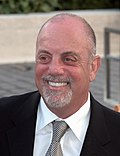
x=39, y=70
x=77, y=74
x=76, y=79
x=80, y=78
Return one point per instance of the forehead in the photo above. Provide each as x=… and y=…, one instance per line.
x=67, y=34
x=67, y=27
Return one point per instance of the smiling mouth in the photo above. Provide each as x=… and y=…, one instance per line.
x=57, y=84
x=56, y=81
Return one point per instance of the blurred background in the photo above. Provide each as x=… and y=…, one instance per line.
x=20, y=21
x=31, y=6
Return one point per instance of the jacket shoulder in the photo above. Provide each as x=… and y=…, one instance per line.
x=14, y=101
x=9, y=105
x=112, y=116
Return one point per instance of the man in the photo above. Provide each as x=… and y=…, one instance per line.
x=66, y=63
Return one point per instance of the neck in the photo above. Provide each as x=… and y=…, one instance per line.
x=66, y=111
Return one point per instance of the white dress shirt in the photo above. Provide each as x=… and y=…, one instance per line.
x=73, y=139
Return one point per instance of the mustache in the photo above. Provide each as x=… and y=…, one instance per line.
x=57, y=78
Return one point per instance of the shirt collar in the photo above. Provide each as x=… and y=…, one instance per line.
x=78, y=122
x=44, y=115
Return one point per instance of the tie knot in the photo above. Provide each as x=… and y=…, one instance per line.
x=59, y=128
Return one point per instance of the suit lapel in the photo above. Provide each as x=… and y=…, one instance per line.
x=92, y=147
x=21, y=134
x=97, y=136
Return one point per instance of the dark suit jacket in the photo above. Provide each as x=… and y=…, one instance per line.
x=18, y=119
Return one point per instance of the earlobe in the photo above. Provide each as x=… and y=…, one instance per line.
x=95, y=64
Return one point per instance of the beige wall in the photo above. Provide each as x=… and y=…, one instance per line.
x=18, y=32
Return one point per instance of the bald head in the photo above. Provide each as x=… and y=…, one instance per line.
x=74, y=22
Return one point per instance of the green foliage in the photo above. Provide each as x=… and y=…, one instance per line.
x=26, y=6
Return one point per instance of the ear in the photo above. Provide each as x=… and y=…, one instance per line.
x=94, y=66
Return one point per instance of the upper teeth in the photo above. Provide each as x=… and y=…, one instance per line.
x=57, y=84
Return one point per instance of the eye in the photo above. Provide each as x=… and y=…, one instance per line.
x=70, y=60
x=67, y=59
x=43, y=58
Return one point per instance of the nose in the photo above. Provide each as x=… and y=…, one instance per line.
x=56, y=67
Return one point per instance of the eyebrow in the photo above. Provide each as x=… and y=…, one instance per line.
x=71, y=53
x=63, y=54
x=43, y=51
